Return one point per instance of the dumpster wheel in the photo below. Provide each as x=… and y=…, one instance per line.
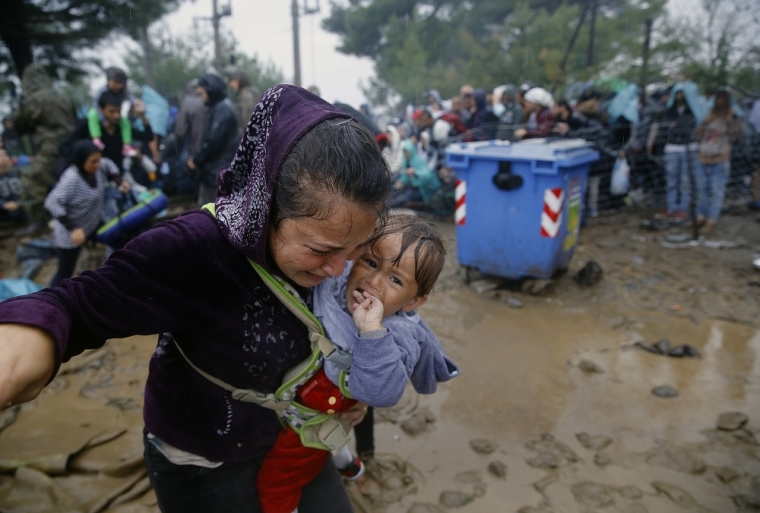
x=468, y=274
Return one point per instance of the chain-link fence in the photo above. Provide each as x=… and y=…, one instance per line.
x=667, y=169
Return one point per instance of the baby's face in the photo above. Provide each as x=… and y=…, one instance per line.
x=373, y=272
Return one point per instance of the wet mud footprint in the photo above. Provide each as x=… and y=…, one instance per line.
x=387, y=480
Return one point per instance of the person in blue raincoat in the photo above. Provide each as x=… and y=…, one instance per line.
x=417, y=182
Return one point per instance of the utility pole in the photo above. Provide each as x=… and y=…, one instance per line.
x=645, y=54
x=216, y=16
x=148, y=51
x=592, y=33
x=294, y=11
x=296, y=45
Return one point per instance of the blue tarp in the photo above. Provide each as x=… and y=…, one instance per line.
x=625, y=104
x=156, y=110
x=12, y=288
x=695, y=102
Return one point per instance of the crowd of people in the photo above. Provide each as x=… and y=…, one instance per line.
x=665, y=138
x=286, y=306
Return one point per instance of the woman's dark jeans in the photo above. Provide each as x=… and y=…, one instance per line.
x=67, y=261
x=231, y=487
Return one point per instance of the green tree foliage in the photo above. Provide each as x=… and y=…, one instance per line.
x=714, y=45
x=441, y=44
x=190, y=56
x=52, y=31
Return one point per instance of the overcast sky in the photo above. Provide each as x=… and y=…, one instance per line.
x=265, y=27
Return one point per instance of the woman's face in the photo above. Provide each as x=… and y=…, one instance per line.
x=92, y=164
x=309, y=250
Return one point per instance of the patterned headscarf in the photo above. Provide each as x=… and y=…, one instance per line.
x=244, y=191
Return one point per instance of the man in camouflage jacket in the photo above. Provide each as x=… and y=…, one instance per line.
x=48, y=117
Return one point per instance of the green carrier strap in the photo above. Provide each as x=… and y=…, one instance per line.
x=320, y=344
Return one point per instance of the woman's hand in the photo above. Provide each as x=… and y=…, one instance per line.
x=355, y=414
x=124, y=187
x=27, y=359
x=520, y=133
x=78, y=236
x=410, y=171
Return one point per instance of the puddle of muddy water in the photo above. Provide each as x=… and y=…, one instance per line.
x=520, y=378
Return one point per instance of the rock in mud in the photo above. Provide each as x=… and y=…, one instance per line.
x=424, y=507
x=546, y=482
x=482, y=446
x=536, y=287
x=602, y=460
x=726, y=475
x=665, y=392
x=593, y=495
x=590, y=367
x=418, y=422
x=514, y=302
x=731, y=421
x=468, y=477
x=630, y=493
x=551, y=453
x=498, y=469
x=8, y=417
x=481, y=286
x=677, y=459
x=453, y=499
x=593, y=443
x=675, y=494
x=590, y=275
x=662, y=346
x=747, y=503
x=739, y=438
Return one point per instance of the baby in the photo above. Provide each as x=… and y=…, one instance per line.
x=368, y=313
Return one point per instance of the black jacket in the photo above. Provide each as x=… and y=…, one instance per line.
x=220, y=137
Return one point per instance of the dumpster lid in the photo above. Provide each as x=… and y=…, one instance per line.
x=531, y=149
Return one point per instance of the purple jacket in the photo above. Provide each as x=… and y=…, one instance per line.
x=183, y=277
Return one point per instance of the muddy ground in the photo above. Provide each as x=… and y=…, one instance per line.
x=553, y=410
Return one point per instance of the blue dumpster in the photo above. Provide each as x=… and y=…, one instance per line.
x=518, y=205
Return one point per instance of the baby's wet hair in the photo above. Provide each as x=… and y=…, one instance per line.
x=429, y=250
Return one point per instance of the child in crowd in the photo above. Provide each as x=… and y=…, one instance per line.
x=10, y=190
x=715, y=134
x=116, y=82
x=141, y=167
x=112, y=135
x=76, y=202
x=369, y=313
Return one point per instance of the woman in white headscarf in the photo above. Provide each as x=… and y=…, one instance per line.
x=537, y=108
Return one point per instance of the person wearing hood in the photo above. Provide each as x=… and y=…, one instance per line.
x=220, y=137
x=719, y=130
x=301, y=196
x=191, y=118
x=246, y=97
x=478, y=109
x=537, y=105
x=416, y=182
x=76, y=203
x=48, y=117
x=679, y=120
